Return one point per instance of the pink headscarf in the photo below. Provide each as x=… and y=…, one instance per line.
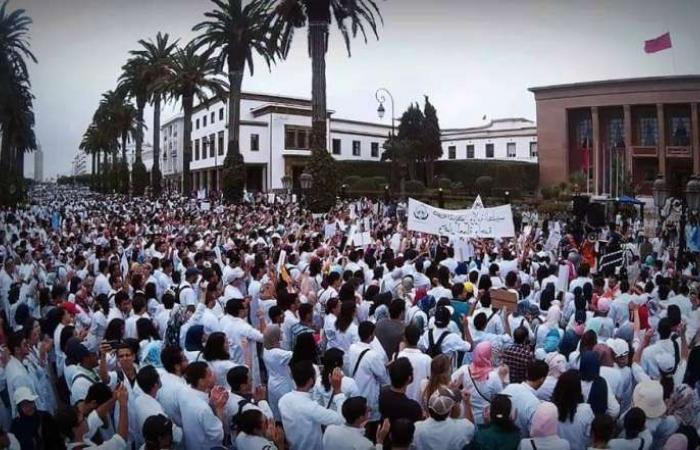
x=553, y=316
x=481, y=362
x=544, y=421
x=676, y=442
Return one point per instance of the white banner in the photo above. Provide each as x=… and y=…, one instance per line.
x=496, y=222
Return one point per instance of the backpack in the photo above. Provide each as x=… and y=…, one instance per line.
x=179, y=290
x=172, y=330
x=435, y=347
x=234, y=418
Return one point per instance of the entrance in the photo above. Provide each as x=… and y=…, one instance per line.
x=254, y=178
x=678, y=172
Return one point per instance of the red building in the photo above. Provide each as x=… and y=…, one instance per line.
x=616, y=132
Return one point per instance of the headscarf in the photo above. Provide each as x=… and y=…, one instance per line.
x=521, y=309
x=676, y=442
x=544, y=421
x=684, y=405
x=605, y=355
x=272, y=336
x=481, y=362
x=193, y=338
x=557, y=364
x=590, y=371
x=151, y=354
x=568, y=343
x=553, y=316
x=594, y=324
x=551, y=341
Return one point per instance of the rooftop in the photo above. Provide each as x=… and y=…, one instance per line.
x=620, y=81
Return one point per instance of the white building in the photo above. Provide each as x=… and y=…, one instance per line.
x=79, y=165
x=38, y=164
x=512, y=139
x=274, y=141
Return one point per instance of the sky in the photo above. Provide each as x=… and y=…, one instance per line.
x=471, y=57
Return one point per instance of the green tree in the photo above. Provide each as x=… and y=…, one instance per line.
x=156, y=55
x=352, y=17
x=107, y=121
x=432, y=145
x=191, y=74
x=16, y=102
x=237, y=32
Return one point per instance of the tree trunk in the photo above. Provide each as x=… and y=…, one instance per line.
x=19, y=164
x=318, y=45
x=124, y=136
x=156, y=133
x=6, y=152
x=235, y=80
x=140, y=105
x=92, y=172
x=187, y=102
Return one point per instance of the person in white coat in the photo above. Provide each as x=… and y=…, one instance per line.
x=351, y=434
x=419, y=361
x=146, y=405
x=279, y=380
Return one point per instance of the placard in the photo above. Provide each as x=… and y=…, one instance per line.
x=496, y=222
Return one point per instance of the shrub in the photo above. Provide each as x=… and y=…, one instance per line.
x=351, y=180
x=415, y=186
x=139, y=177
x=363, y=184
x=379, y=182
x=233, y=180
x=444, y=183
x=484, y=184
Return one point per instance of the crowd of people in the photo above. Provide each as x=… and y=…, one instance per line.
x=136, y=323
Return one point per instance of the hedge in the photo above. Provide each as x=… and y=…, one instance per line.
x=511, y=175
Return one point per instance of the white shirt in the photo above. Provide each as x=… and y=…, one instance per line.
x=200, y=426
x=631, y=444
x=525, y=402
x=251, y=442
x=237, y=329
x=302, y=419
x=578, y=432
x=187, y=295
x=346, y=437
x=168, y=395
x=445, y=434
x=343, y=339
x=289, y=319
x=146, y=406
x=545, y=443
x=371, y=374
x=101, y=286
x=451, y=344
x=420, y=362
x=488, y=388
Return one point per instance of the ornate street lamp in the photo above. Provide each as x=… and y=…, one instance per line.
x=441, y=198
x=692, y=194
x=660, y=192
x=381, y=111
x=306, y=180
x=287, y=183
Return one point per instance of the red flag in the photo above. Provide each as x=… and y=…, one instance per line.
x=660, y=43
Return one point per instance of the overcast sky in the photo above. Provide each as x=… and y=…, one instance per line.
x=472, y=58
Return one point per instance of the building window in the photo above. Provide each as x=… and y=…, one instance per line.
x=221, y=113
x=198, y=124
x=204, y=120
x=489, y=150
x=510, y=149
x=470, y=151
x=296, y=138
x=196, y=149
x=533, y=149
x=452, y=152
x=212, y=145
x=221, y=143
x=213, y=115
x=680, y=136
x=254, y=142
x=616, y=133
x=648, y=131
x=355, y=148
x=375, y=150
x=204, y=147
x=336, y=147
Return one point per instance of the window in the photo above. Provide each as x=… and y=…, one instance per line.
x=648, y=131
x=356, y=148
x=452, y=152
x=489, y=150
x=375, y=150
x=336, y=147
x=296, y=138
x=616, y=133
x=470, y=151
x=204, y=120
x=221, y=143
x=254, y=142
x=212, y=145
x=196, y=149
x=221, y=113
x=213, y=115
x=680, y=131
x=204, y=147
x=510, y=149
x=198, y=124
x=533, y=149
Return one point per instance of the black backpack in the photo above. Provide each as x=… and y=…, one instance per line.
x=435, y=347
x=172, y=330
x=234, y=418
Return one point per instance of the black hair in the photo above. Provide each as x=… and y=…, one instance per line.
x=396, y=307
x=536, y=370
x=66, y=418
x=114, y=330
x=332, y=359
x=171, y=356
x=302, y=372
x=664, y=328
x=99, y=393
x=400, y=372
x=354, y=408
x=635, y=422
x=147, y=378
x=602, y=428
x=196, y=371
x=346, y=316
x=146, y=330
x=412, y=334
x=236, y=376
x=520, y=335
x=567, y=395
x=249, y=420
x=234, y=306
x=480, y=321
x=500, y=413
x=365, y=330
x=305, y=349
x=215, y=348
x=401, y=432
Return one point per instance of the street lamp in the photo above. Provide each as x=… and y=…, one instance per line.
x=287, y=185
x=381, y=95
x=381, y=111
x=343, y=191
x=306, y=180
x=441, y=198
x=507, y=196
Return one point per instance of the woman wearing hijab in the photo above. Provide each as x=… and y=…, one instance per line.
x=551, y=322
x=595, y=389
x=194, y=342
x=588, y=340
x=543, y=430
x=574, y=414
x=279, y=379
x=568, y=343
x=557, y=366
x=481, y=380
x=677, y=442
x=608, y=371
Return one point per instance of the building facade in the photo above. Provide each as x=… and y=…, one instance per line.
x=38, y=164
x=501, y=139
x=275, y=138
x=79, y=165
x=618, y=133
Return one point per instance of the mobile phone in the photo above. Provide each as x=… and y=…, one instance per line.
x=114, y=344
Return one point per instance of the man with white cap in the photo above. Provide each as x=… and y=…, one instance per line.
x=443, y=429
x=620, y=350
x=32, y=427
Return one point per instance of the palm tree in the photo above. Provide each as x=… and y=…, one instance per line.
x=134, y=83
x=107, y=121
x=238, y=32
x=351, y=17
x=90, y=144
x=156, y=54
x=191, y=74
x=16, y=100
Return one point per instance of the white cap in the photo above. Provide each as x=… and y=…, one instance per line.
x=23, y=394
x=618, y=346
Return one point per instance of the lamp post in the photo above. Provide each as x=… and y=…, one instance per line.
x=690, y=206
x=343, y=191
x=306, y=180
x=441, y=198
x=506, y=194
x=381, y=96
x=287, y=184
x=660, y=192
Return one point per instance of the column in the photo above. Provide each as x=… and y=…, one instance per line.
x=661, y=144
x=695, y=143
x=597, y=159
x=627, y=110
